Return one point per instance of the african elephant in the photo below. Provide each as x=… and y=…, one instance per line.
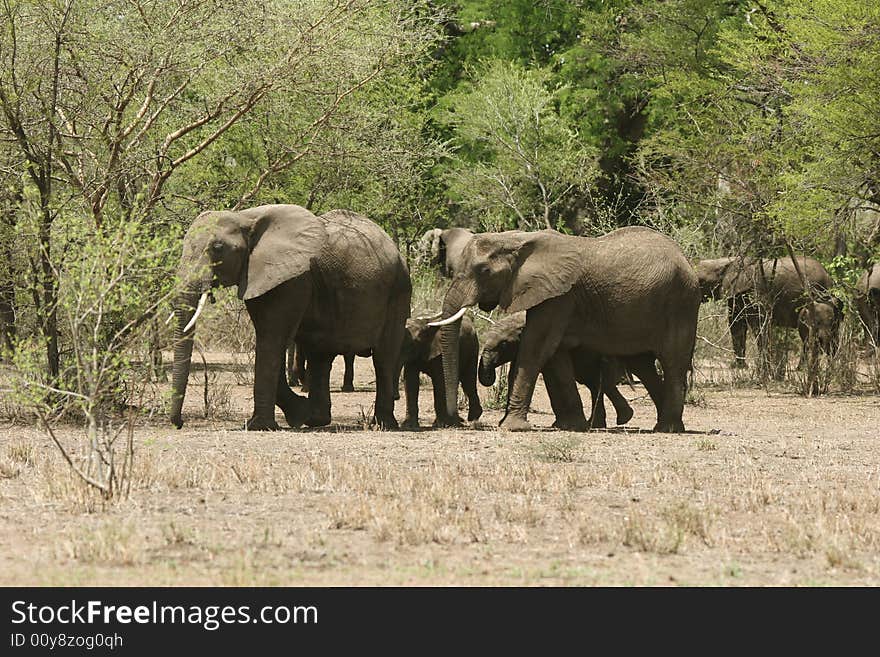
x=421, y=353
x=752, y=286
x=630, y=293
x=444, y=247
x=819, y=325
x=296, y=369
x=501, y=345
x=868, y=302
x=336, y=282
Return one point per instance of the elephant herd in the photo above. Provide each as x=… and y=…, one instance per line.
x=580, y=310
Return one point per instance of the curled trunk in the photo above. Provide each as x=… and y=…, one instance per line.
x=184, y=308
x=487, y=370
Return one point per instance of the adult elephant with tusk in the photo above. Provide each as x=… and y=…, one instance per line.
x=336, y=282
x=630, y=294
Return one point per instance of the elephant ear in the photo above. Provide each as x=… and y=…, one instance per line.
x=548, y=265
x=739, y=278
x=284, y=240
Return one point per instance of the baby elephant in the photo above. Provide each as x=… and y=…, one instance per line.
x=421, y=352
x=821, y=326
x=501, y=345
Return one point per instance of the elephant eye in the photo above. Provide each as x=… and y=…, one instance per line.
x=216, y=247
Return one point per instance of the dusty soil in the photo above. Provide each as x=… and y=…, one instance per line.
x=766, y=488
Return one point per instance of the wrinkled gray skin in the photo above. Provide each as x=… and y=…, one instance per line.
x=501, y=345
x=760, y=290
x=630, y=294
x=296, y=369
x=867, y=302
x=421, y=353
x=443, y=247
x=336, y=282
x=818, y=325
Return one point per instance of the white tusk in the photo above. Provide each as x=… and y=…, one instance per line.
x=443, y=322
x=170, y=317
x=198, y=312
x=431, y=316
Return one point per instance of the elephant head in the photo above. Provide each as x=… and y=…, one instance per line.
x=500, y=346
x=514, y=270
x=443, y=247
x=721, y=278
x=256, y=249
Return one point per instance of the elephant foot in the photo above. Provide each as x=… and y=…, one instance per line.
x=261, y=424
x=572, y=424
x=410, y=423
x=474, y=412
x=318, y=420
x=347, y=387
x=446, y=421
x=177, y=421
x=386, y=422
x=514, y=423
x=669, y=426
x=596, y=423
x=624, y=415
x=739, y=364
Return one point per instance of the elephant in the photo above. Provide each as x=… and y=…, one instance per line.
x=421, y=353
x=501, y=345
x=337, y=282
x=751, y=286
x=630, y=293
x=867, y=302
x=819, y=326
x=296, y=369
x=445, y=246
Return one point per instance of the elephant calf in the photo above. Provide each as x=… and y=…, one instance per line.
x=818, y=326
x=501, y=345
x=421, y=352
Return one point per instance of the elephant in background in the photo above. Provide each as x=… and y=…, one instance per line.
x=819, y=325
x=867, y=302
x=630, y=294
x=336, y=282
x=443, y=247
x=761, y=292
x=421, y=353
x=501, y=345
x=296, y=369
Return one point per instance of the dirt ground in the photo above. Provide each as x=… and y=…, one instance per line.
x=766, y=488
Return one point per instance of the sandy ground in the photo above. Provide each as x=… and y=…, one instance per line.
x=766, y=488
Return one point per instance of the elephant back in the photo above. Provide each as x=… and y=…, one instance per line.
x=357, y=251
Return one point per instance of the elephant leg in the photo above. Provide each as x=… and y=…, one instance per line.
x=348, y=377
x=589, y=374
x=511, y=379
x=318, y=371
x=642, y=365
x=294, y=407
x=386, y=356
x=411, y=390
x=621, y=405
x=468, y=377
x=276, y=316
x=561, y=388
x=545, y=326
x=736, y=320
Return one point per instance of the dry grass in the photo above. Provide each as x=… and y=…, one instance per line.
x=774, y=489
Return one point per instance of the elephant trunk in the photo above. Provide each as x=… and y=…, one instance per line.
x=461, y=294
x=486, y=370
x=184, y=311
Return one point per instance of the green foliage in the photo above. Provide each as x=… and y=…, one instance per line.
x=517, y=160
